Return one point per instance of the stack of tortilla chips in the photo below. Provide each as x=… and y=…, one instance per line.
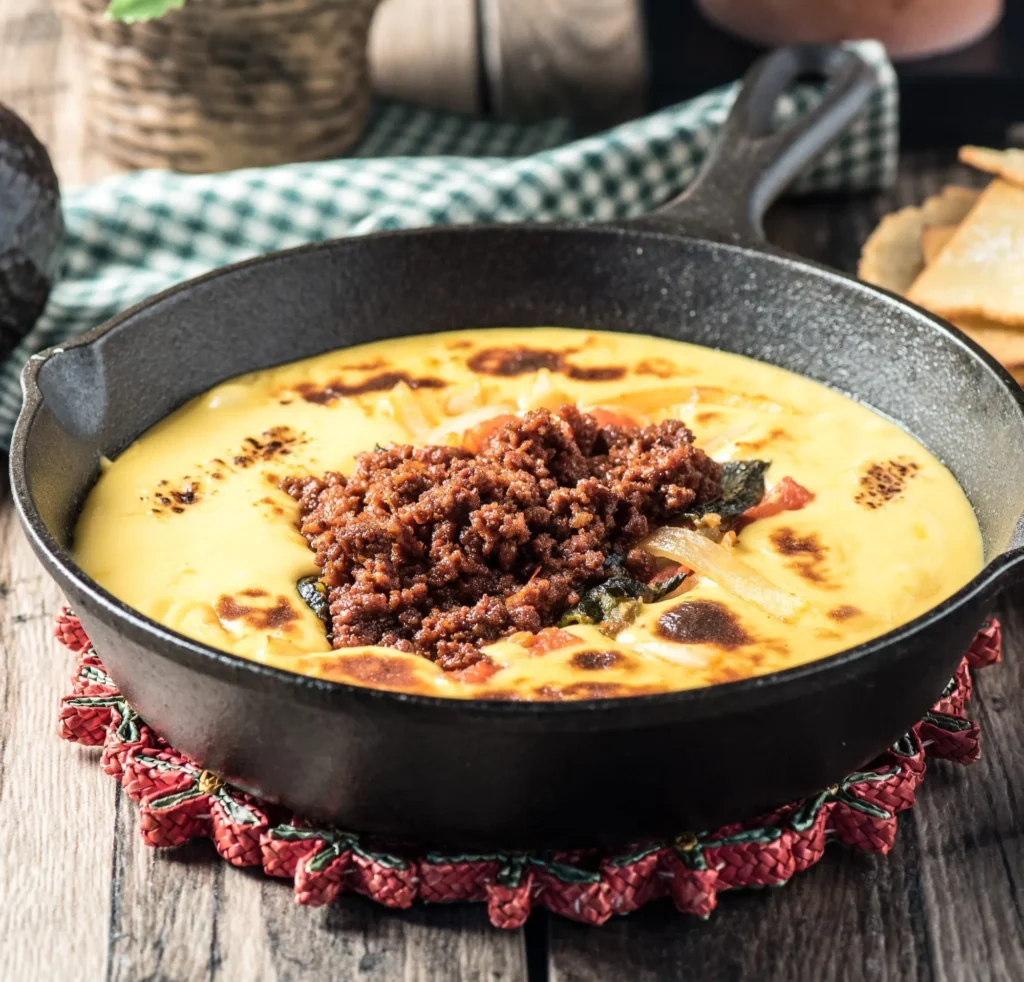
x=961, y=255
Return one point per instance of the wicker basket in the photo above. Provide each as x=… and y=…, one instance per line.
x=221, y=84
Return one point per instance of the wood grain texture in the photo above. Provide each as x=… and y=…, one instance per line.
x=185, y=914
x=55, y=815
x=427, y=51
x=42, y=80
x=581, y=58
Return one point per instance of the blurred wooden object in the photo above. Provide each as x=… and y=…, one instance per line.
x=519, y=59
x=578, y=58
x=41, y=79
x=218, y=86
x=523, y=59
x=428, y=51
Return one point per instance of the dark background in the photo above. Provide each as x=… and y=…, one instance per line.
x=975, y=95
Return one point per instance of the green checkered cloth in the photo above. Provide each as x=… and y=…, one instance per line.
x=130, y=237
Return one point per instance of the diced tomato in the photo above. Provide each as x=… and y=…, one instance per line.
x=479, y=671
x=605, y=417
x=667, y=573
x=549, y=639
x=787, y=495
x=473, y=439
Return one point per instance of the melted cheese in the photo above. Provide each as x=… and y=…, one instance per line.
x=189, y=527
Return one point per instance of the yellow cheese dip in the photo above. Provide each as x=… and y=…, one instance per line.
x=189, y=525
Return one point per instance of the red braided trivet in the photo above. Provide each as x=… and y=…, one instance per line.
x=179, y=801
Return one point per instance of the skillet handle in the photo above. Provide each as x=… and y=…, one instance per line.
x=751, y=165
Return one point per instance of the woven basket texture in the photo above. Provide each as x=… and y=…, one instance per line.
x=222, y=84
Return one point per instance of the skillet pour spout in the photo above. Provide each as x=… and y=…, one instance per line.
x=486, y=775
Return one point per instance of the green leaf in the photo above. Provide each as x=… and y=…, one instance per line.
x=616, y=602
x=175, y=798
x=131, y=11
x=314, y=593
x=237, y=811
x=601, y=602
x=742, y=488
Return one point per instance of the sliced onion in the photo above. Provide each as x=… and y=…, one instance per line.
x=707, y=558
x=408, y=411
x=683, y=396
x=453, y=427
x=544, y=394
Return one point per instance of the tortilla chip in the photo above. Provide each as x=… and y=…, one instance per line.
x=1005, y=344
x=950, y=206
x=892, y=256
x=979, y=271
x=934, y=239
x=1007, y=164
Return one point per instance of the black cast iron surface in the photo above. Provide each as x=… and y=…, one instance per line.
x=487, y=774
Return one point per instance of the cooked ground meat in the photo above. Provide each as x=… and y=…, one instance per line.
x=437, y=550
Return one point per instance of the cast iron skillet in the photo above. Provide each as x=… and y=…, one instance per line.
x=482, y=774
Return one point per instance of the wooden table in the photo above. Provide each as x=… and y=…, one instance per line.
x=80, y=897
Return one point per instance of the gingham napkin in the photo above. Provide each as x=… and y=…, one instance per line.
x=129, y=237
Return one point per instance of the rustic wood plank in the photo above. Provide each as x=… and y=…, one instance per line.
x=185, y=914
x=42, y=80
x=969, y=829
x=852, y=917
x=57, y=849
x=56, y=809
x=427, y=51
x=581, y=58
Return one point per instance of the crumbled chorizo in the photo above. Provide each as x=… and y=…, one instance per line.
x=438, y=550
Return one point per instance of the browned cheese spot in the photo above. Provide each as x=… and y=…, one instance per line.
x=382, y=382
x=458, y=345
x=499, y=695
x=274, y=443
x=727, y=673
x=583, y=690
x=365, y=366
x=753, y=446
x=280, y=615
x=808, y=555
x=254, y=591
x=885, y=481
x=377, y=670
x=708, y=416
x=703, y=622
x=595, y=661
x=510, y=362
x=604, y=373
x=187, y=495
x=844, y=612
x=659, y=367
x=177, y=498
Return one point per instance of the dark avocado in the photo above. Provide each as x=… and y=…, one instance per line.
x=31, y=229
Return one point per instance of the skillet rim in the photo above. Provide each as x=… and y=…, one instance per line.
x=848, y=662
